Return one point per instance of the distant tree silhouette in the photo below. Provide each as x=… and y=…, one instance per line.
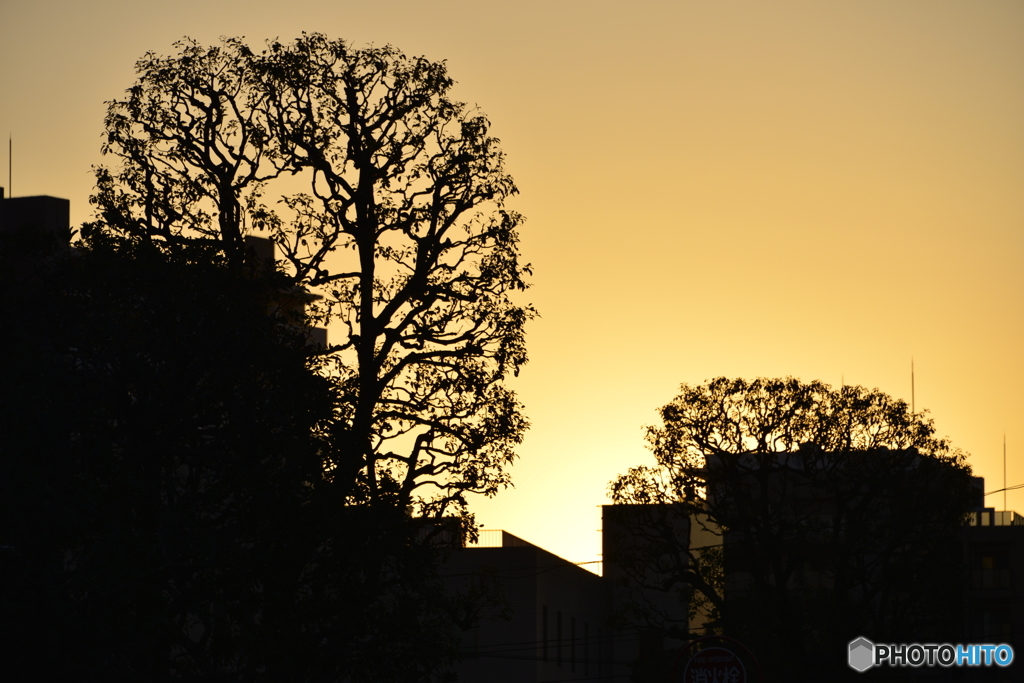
x=836, y=513
x=402, y=228
x=165, y=510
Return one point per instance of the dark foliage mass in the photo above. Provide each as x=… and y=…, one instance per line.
x=165, y=513
x=824, y=514
x=388, y=201
x=190, y=490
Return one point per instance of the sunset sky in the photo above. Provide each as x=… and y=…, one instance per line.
x=821, y=189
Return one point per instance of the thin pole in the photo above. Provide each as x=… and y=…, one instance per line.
x=1004, y=470
x=913, y=408
x=10, y=150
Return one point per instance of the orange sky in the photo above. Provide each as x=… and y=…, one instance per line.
x=817, y=189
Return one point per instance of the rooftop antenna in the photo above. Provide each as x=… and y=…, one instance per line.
x=913, y=409
x=1004, y=470
x=10, y=149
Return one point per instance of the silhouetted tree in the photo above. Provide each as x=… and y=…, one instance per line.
x=403, y=232
x=402, y=228
x=836, y=514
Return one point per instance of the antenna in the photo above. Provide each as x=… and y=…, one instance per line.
x=913, y=409
x=10, y=149
x=1004, y=470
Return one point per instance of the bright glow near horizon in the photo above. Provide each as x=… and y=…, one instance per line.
x=822, y=190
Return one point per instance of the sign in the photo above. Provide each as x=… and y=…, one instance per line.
x=714, y=665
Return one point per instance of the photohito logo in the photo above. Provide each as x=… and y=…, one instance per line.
x=864, y=654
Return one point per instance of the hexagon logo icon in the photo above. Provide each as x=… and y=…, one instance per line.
x=862, y=654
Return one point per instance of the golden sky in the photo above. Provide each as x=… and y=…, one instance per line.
x=821, y=189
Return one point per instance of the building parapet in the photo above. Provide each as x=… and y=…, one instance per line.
x=993, y=517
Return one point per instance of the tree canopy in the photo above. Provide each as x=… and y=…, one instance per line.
x=390, y=204
x=836, y=513
x=194, y=492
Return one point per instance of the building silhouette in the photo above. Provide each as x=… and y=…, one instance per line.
x=549, y=624
x=48, y=218
x=994, y=602
x=556, y=621
x=641, y=609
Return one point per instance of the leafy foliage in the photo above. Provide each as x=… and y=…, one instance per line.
x=402, y=228
x=208, y=498
x=836, y=513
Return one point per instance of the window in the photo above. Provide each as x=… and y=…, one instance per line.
x=991, y=567
x=992, y=621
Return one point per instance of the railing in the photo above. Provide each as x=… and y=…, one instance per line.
x=995, y=518
x=489, y=538
x=497, y=538
x=991, y=579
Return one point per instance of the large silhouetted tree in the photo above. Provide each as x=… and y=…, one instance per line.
x=836, y=513
x=192, y=494
x=401, y=226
